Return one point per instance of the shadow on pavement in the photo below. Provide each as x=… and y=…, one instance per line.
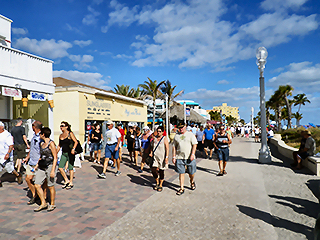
x=143, y=180
x=314, y=186
x=276, y=221
x=305, y=207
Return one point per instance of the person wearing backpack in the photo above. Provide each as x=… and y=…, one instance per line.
x=46, y=170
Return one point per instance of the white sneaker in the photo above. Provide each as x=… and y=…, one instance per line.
x=118, y=173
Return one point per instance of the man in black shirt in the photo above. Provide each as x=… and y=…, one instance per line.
x=296, y=153
x=20, y=143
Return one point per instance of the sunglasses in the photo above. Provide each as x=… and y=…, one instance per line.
x=62, y=125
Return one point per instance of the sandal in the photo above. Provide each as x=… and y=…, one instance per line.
x=156, y=187
x=41, y=207
x=51, y=208
x=224, y=172
x=180, y=192
x=65, y=186
x=193, y=186
x=69, y=187
x=220, y=174
x=159, y=189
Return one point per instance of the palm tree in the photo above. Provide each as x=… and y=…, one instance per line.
x=298, y=117
x=300, y=99
x=284, y=92
x=151, y=88
x=275, y=103
x=215, y=115
x=123, y=90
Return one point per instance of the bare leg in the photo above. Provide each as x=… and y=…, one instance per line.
x=205, y=151
x=71, y=177
x=118, y=164
x=224, y=165
x=211, y=150
x=191, y=178
x=220, y=163
x=40, y=194
x=18, y=164
x=52, y=194
x=99, y=155
x=181, y=178
x=30, y=185
x=64, y=175
x=105, y=165
x=120, y=154
x=136, y=157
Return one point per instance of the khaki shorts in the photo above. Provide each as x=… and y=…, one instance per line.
x=28, y=170
x=42, y=175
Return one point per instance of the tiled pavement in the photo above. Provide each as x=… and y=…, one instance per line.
x=81, y=212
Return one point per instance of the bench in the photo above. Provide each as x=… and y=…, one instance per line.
x=312, y=162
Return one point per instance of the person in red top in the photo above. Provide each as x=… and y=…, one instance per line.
x=119, y=127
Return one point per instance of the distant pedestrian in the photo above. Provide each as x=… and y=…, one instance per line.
x=199, y=136
x=145, y=143
x=89, y=142
x=32, y=159
x=130, y=143
x=137, y=145
x=221, y=141
x=20, y=143
x=207, y=140
x=46, y=170
x=113, y=139
x=96, y=141
x=160, y=153
x=121, y=131
x=183, y=156
x=68, y=143
x=6, y=147
x=256, y=134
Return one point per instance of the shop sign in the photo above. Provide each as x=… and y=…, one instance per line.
x=37, y=96
x=134, y=112
x=11, y=92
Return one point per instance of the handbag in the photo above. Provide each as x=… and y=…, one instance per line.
x=78, y=147
x=150, y=160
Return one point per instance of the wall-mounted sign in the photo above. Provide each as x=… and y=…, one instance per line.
x=37, y=96
x=187, y=112
x=133, y=112
x=11, y=92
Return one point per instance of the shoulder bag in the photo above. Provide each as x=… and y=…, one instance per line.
x=150, y=160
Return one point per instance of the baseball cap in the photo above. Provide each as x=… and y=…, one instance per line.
x=146, y=128
x=109, y=122
x=1, y=124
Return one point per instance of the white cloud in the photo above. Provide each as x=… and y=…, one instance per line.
x=142, y=38
x=45, y=48
x=73, y=29
x=91, y=79
x=20, y=31
x=122, y=56
x=195, y=34
x=91, y=18
x=303, y=76
x=283, y=4
x=82, y=43
x=223, y=82
x=81, y=62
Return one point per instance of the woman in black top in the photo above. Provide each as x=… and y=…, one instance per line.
x=96, y=138
x=130, y=142
x=68, y=143
x=137, y=145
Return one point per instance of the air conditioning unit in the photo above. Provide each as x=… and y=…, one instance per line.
x=3, y=40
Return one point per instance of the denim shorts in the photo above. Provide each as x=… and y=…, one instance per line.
x=182, y=163
x=223, y=154
x=110, y=151
x=96, y=146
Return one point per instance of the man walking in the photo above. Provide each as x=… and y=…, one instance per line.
x=183, y=156
x=20, y=143
x=221, y=141
x=207, y=140
x=113, y=138
x=32, y=159
x=6, y=147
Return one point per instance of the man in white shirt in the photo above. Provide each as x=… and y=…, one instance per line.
x=6, y=147
x=113, y=139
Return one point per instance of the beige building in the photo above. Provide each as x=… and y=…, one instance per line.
x=81, y=105
x=227, y=110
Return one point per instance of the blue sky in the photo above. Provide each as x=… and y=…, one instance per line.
x=206, y=47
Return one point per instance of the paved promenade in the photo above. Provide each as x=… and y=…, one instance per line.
x=252, y=201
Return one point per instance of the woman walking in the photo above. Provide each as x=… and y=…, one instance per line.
x=137, y=145
x=68, y=143
x=160, y=153
x=130, y=143
x=96, y=138
x=145, y=142
x=46, y=170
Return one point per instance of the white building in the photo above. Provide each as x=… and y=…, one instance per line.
x=24, y=78
x=196, y=107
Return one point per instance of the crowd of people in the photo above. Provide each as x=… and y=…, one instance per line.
x=41, y=160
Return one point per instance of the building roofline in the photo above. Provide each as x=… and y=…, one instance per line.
x=6, y=18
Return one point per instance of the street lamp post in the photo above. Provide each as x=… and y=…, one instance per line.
x=264, y=153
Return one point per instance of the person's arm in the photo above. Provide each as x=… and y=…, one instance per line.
x=118, y=143
x=101, y=136
x=8, y=153
x=26, y=141
x=174, y=154
x=166, y=144
x=203, y=137
x=26, y=159
x=193, y=152
x=55, y=158
x=229, y=139
x=75, y=143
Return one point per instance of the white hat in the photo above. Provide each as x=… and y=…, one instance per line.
x=1, y=124
x=189, y=128
x=109, y=122
x=146, y=128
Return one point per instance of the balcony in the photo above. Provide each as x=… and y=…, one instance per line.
x=25, y=70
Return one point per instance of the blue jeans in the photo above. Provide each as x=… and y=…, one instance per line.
x=110, y=151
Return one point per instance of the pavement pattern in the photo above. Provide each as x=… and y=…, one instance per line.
x=252, y=201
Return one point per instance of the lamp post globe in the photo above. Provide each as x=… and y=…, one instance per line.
x=264, y=153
